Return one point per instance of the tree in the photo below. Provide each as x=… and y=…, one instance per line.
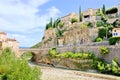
x=80, y=15
x=103, y=9
x=49, y=25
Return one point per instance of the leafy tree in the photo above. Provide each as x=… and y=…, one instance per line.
x=80, y=15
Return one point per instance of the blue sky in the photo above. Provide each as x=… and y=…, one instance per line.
x=25, y=20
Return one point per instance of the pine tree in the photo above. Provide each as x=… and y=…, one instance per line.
x=80, y=15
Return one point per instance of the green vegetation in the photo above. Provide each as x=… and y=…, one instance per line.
x=111, y=10
x=60, y=24
x=114, y=40
x=27, y=55
x=99, y=39
x=116, y=24
x=12, y=68
x=49, y=25
x=100, y=23
x=54, y=53
x=102, y=32
x=57, y=23
x=104, y=67
x=97, y=63
x=59, y=33
x=37, y=45
x=90, y=24
x=104, y=50
x=80, y=15
x=73, y=20
x=103, y=9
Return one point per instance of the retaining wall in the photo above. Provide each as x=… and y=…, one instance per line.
x=114, y=51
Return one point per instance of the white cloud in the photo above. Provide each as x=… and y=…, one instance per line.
x=23, y=15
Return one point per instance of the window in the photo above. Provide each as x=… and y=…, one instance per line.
x=115, y=34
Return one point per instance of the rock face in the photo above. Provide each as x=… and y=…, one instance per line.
x=75, y=36
x=49, y=39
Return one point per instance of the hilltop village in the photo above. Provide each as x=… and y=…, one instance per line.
x=91, y=25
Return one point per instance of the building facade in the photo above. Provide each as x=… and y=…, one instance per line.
x=9, y=42
x=116, y=32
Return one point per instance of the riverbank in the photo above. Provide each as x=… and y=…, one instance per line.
x=50, y=73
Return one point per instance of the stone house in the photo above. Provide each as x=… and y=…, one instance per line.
x=8, y=42
x=116, y=32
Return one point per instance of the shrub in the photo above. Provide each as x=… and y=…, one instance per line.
x=102, y=32
x=104, y=50
x=61, y=24
x=114, y=40
x=12, y=68
x=52, y=52
x=90, y=24
x=73, y=20
x=100, y=23
x=99, y=39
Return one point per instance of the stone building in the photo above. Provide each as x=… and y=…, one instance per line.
x=8, y=42
x=116, y=32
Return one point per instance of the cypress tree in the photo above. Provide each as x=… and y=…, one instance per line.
x=80, y=15
x=103, y=9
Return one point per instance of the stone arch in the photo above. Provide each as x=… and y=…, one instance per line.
x=30, y=53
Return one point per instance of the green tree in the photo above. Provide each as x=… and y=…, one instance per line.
x=80, y=15
x=103, y=9
x=56, y=23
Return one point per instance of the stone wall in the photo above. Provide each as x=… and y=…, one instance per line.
x=114, y=51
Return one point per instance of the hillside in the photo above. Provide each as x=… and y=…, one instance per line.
x=36, y=45
x=86, y=27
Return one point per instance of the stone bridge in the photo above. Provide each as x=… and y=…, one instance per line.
x=35, y=51
x=114, y=51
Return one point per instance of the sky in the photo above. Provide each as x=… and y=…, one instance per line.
x=25, y=20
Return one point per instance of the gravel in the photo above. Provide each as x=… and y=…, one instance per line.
x=49, y=73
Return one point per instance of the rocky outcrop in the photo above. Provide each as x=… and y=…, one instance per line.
x=49, y=39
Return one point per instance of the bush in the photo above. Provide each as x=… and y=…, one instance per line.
x=102, y=32
x=99, y=39
x=114, y=40
x=52, y=52
x=104, y=50
x=90, y=24
x=12, y=68
x=61, y=24
x=100, y=23
x=73, y=20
